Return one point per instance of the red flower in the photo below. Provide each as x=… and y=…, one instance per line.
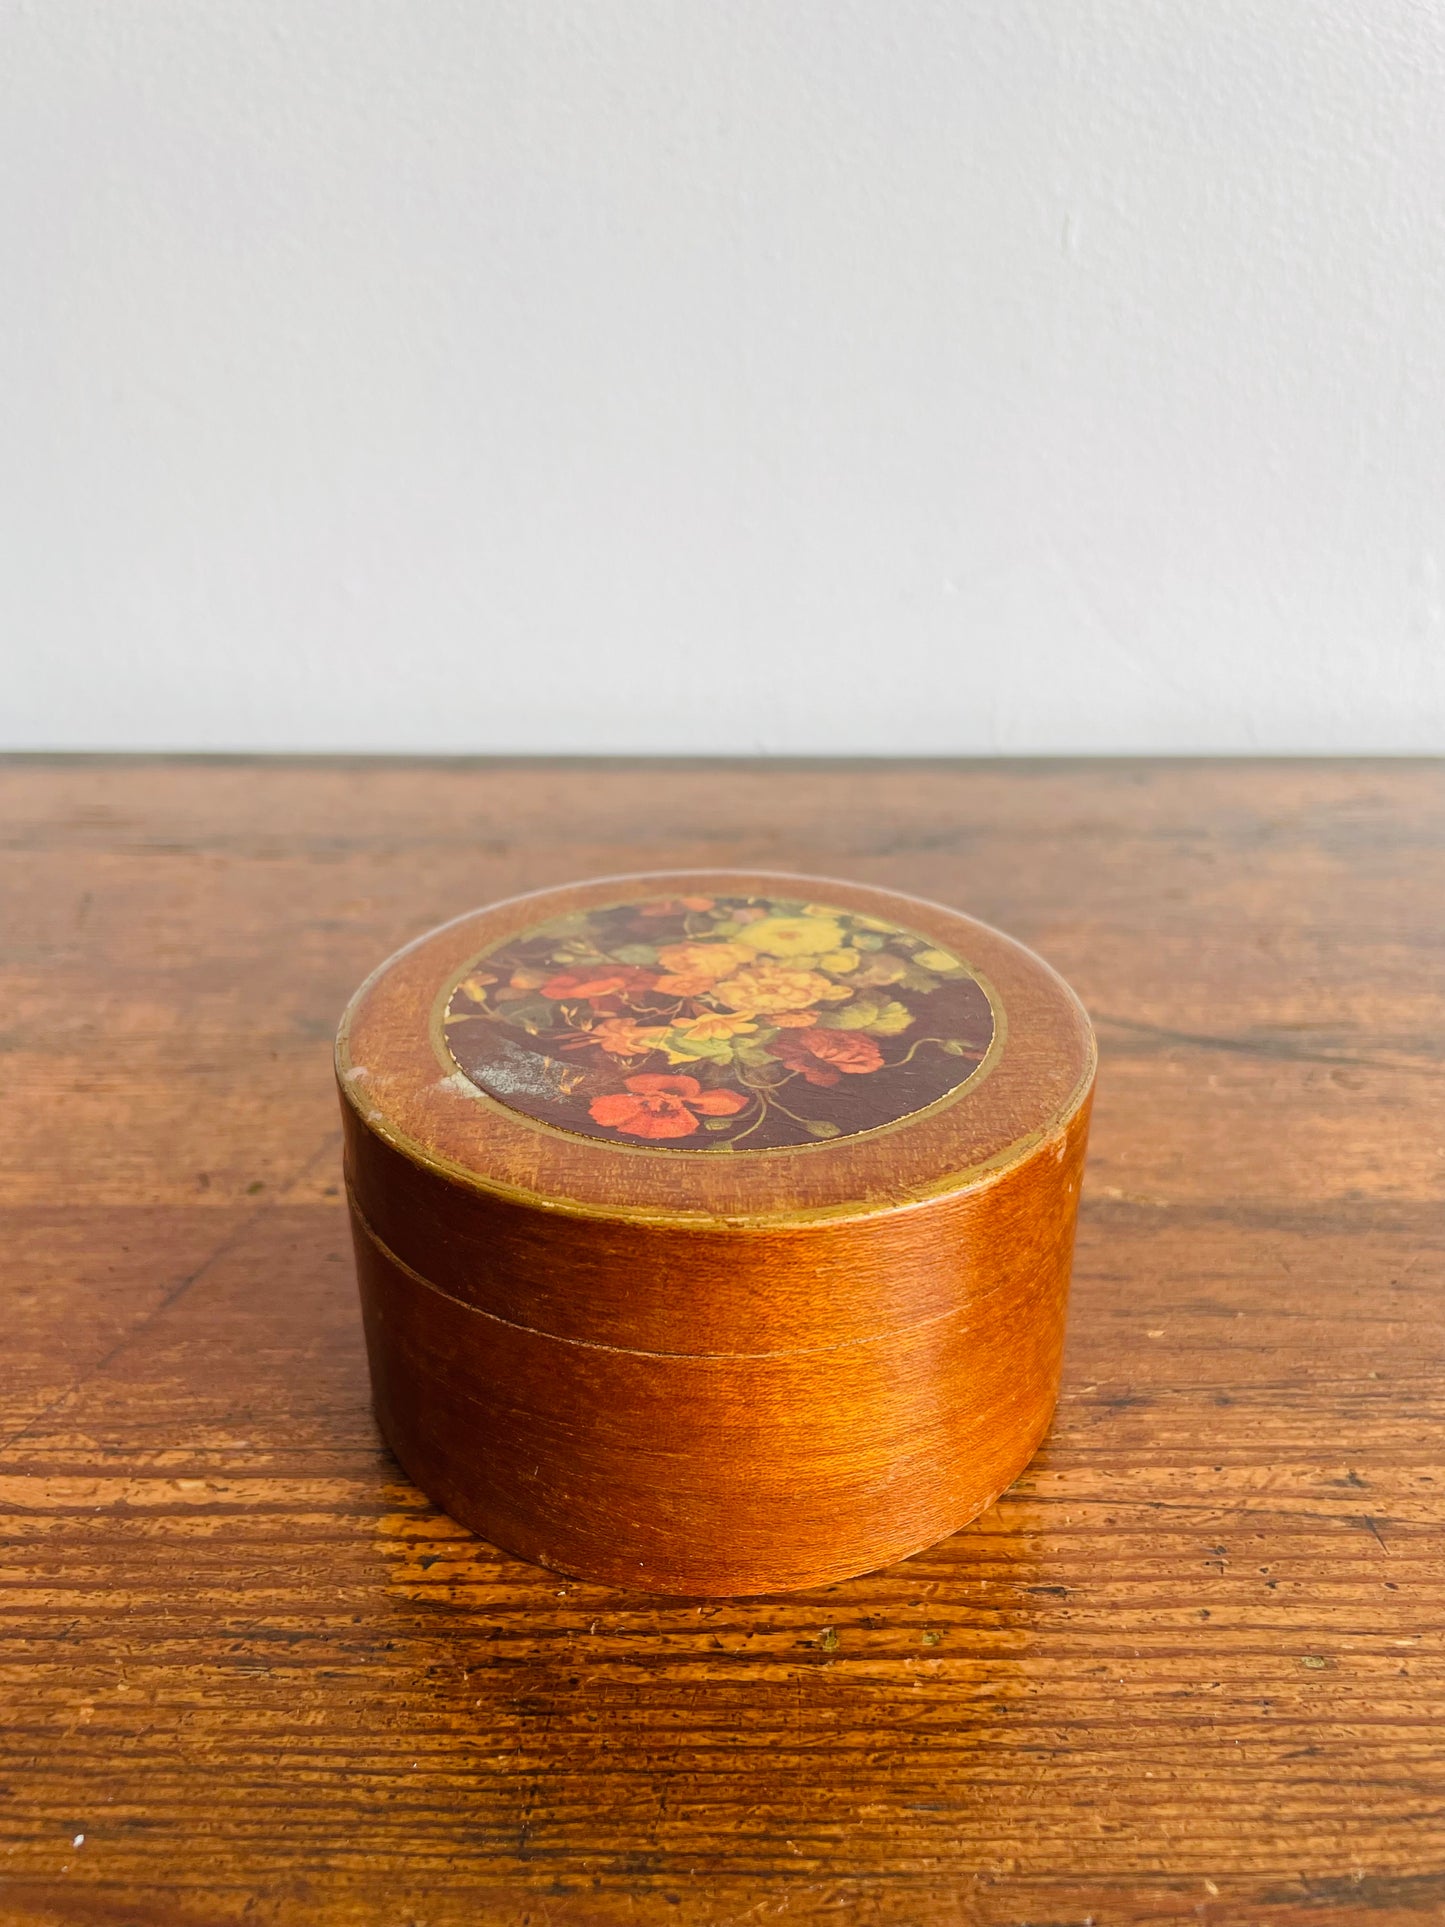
x=598, y=980
x=663, y=1106
x=821, y=1054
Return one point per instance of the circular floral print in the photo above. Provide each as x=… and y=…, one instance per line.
x=718, y=1023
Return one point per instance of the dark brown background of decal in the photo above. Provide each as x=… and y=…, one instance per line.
x=1190, y=1672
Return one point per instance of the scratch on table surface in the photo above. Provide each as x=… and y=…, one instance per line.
x=171, y=1298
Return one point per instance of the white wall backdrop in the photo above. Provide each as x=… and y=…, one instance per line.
x=723, y=374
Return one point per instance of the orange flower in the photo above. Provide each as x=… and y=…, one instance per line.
x=622, y=1037
x=821, y=1054
x=693, y=968
x=663, y=1106
x=597, y=980
x=710, y=959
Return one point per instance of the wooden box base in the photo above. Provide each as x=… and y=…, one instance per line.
x=713, y=1476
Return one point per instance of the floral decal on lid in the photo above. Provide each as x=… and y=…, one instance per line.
x=722, y=1023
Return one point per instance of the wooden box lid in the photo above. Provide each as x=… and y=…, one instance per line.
x=709, y=1117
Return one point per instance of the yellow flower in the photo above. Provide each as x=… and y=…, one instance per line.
x=840, y=962
x=793, y=936
x=475, y=986
x=937, y=960
x=707, y=1035
x=772, y=986
x=714, y=1024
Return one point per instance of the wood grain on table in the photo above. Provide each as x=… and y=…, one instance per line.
x=1190, y=1669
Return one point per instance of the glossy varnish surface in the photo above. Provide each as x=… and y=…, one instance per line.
x=713, y=1372
x=1189, y=1669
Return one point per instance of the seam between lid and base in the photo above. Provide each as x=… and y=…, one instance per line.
x=885, y=1332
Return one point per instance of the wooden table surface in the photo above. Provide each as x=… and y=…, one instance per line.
x=1191, y=1668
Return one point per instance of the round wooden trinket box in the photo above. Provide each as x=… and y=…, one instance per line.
x=714, y=1230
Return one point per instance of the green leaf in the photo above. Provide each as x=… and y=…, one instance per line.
x=635, y=953
x=693, y=1050
x=882, y=968
x=531, y=1014
x=749, y=1051
x=717, y=1124
x=921, y=980
x=820, y=1127
x=892, y=1019
x=858, y=1015
x=955, y=1047
x=868, y=940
